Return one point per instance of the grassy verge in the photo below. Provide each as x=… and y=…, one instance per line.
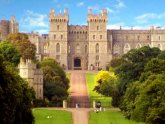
x=44, y=116
x=94, y=96
x=109, y=117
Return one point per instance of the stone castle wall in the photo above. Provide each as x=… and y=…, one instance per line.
x=93, y=45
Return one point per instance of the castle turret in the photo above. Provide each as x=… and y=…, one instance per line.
x=34, y=76
x=97, y=28
x=13, y=25
x=58, y=36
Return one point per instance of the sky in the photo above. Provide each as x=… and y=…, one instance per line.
x=32, y=15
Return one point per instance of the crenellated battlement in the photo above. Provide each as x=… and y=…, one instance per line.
x=61, y=17
x=102, y=17
x=78, y=28
x=27, y=64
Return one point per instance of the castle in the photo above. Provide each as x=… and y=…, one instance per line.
x=93, y=46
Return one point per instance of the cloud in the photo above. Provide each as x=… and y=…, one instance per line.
x=94, y=8
x=120, y=4
x=110, y=10
x=80, y=4
x=145, y=18
x=34, y=21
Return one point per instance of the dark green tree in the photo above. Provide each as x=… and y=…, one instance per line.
x=10, y=52
x=56, y=83
x=15, y=96
x=150, y=103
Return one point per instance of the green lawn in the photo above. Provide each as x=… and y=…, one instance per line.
x=94, y=96
x=109, y=117
x=45, y=116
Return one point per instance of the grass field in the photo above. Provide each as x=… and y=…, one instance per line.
x=45, y=116
x=109, y=117
x=94, y=96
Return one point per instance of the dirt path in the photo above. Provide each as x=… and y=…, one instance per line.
x=79, y=95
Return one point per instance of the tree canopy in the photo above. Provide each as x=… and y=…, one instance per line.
x=141, y=85
x=15, y=96
x=10, y=52
x=24, y=46
x=56, y=83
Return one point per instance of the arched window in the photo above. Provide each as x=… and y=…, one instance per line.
x=138, y=46
x=97, y=48
x=58, y=48
x=69, y=49
x=86, y=49
x=126, y=48
x=77, y=48
x=116, y=49
x=159, y=46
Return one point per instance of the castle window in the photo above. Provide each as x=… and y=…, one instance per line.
x=97, y=48
x=126, y=37
x=148, y=37
x=86, y=49
x=69, y=48
x=94, y=36
x=138, y=37
x=101, y=36
x=159, y=38
x=58, y=57
x=97, y=58
x=138, y=46
x=126, y=48
x=61, y=36
x=54, y=36
x=159, y=46
x=116, y=49
x=58, y=48
x=97, y=27
x=58, y=27
x=77, y=48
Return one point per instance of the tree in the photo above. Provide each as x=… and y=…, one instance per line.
x=24, y=46
x=162, y=55
x=15, y=96
x=133, y=66
x=10, y=53
x=150, y=103
x=106, y=83
x=56, y=83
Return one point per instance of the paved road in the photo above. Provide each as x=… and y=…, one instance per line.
x=79, y=95
x=78, y=90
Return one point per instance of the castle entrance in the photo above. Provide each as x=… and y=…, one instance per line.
x=77, y=64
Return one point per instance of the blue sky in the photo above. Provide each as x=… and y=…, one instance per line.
x=32, y=15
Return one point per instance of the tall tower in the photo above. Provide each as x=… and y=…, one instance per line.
x=97, y=28
x=13, y=25
x=34, y=76
x=58, y=37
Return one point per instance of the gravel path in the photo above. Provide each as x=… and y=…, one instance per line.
x=78, y=90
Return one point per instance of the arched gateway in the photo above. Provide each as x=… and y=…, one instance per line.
x=77, y=63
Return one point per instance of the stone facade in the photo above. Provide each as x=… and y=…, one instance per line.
x=33, y=76
x=92, y=46
x=8, y=27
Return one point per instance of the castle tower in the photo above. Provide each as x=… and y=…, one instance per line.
x=58, y=37
x=4, y=28
x=97, y=28
x=7, y=27
x=13, y=25
x=34, y=76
